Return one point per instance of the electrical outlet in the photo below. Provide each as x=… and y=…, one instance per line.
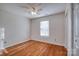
x=76, y=41
x=55, y=39
x=5, y=42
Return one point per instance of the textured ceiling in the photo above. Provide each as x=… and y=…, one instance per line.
x=47, y=9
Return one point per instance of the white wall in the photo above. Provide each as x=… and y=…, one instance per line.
x=16, y=28
x=57, y=29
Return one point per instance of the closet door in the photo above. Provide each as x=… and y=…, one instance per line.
x=2, y=38
x=76, y=28
x=68, y=28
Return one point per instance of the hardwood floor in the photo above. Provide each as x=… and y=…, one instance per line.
x=36, y=48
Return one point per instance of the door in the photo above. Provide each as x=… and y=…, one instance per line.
x=1, y=38
x=76, y=29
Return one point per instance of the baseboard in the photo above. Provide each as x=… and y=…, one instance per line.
x=16, y=43
x=48, y=42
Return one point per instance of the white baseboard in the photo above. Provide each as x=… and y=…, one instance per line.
x=47, y=42
x=15, y=43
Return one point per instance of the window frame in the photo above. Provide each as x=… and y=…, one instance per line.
x=44, y=35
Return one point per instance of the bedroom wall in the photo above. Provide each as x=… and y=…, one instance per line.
x=56, y=28
x=16, y=28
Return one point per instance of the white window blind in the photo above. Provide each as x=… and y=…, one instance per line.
x=44, y=28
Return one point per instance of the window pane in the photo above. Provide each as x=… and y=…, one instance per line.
x=44, y=28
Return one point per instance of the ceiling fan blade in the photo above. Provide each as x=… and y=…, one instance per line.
x=32, y=7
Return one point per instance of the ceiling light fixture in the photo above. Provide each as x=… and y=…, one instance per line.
x=33, y=8
x=33, y=13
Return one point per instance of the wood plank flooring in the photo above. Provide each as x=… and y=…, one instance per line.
x=36, y=48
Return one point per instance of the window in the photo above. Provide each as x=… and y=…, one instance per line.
x=44, y=28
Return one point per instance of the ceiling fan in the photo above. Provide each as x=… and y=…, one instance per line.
x=33, y=8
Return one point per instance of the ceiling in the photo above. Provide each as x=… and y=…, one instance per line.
x=47, y=9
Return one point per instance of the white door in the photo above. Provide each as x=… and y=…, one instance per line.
x=2, y=38
x=76, y=29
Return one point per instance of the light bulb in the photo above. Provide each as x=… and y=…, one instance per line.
x=33, y=13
